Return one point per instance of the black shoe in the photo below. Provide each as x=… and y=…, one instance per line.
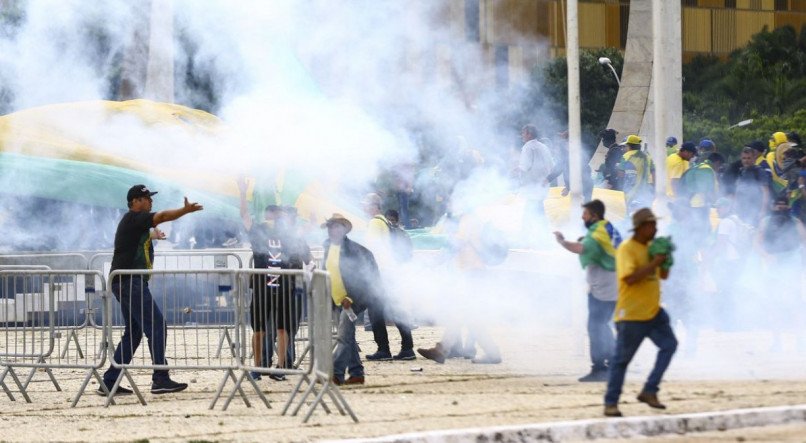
x=594, y=376
x=121, y=390
x=255, y=375
x=277, y=377
x=405, y=354
x=167, y=386
x=381, y=355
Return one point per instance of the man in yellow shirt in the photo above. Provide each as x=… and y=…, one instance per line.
x=676, y=165
x=355, y=283
x=638, y=313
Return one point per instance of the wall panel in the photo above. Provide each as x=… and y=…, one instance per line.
x=591, y=25
x=723, y=25
x=751, y=22
x=696, y=30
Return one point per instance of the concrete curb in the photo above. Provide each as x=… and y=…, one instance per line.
x=646, y=426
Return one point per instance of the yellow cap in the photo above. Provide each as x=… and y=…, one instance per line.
x=633, y=140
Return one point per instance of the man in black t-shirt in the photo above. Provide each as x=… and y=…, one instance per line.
x=141, y=315
x=276, y=305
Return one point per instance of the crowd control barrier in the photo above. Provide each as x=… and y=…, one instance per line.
x=37, y=308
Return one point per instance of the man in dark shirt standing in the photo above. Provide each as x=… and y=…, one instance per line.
x=141, y=315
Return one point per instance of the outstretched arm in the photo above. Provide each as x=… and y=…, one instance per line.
x=574, y=247
x=173, y=214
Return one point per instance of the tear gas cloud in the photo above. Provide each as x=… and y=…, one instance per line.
x=333, y=93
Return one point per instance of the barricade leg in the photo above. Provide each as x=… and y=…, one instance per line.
x=10, y=371
x=72, y=336
x=5, y=387
x=225, y=337
x=230, y=374
x=337, y=398
x=294, y=392
x=90, y=373
x=124, y=373
x=237, y=388
x=47, y=370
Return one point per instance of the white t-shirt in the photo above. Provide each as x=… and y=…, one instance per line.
x=535, y=162
x=602, y=283
x=729, y=227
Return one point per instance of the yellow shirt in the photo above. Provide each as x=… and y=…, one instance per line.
x=675, y=167
x=378, y=241
x=639, y=301
x=337, y=290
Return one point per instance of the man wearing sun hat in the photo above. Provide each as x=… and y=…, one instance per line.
x=355, y=283
x=638, y=315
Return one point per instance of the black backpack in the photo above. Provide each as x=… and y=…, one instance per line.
x=402, y=248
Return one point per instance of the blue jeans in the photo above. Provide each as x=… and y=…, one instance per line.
x=346, y=355
x=600, y=335
x=140, y=316
x=629, y=338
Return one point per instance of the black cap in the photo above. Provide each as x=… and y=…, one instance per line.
x=138, y=191
x=756, y=145
x=689, y=146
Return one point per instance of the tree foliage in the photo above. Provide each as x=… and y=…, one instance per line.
x=547, y=97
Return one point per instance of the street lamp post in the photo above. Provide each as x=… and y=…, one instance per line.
x=604, y=61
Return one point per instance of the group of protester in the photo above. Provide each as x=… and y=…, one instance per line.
x=759, y=199
x=759, y=202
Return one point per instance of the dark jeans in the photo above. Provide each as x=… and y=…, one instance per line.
x=378, y=319
x=600, y=335
x=140, y=316
x=629, y=338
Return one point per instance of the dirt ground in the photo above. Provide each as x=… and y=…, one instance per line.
x=536, y=383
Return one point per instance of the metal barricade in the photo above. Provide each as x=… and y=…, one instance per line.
x=322, y=363
x=275, y=302
x=36, y=308
x=68, y=260
x=208, y=259
x=189, y=316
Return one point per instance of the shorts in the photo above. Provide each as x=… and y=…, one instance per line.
x=275, y=301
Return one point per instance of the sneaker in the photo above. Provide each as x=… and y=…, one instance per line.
x=381, y=355
x=121, y=390
x=594, y=376
x=612, y=411
x=255, y=375
x=486, y=360
x=405, y=354
x=432, y=354
x=355, y=380
x=167, y=386
x=277, y=377
x=336, y=381
x=469, y=353
x=651, y=400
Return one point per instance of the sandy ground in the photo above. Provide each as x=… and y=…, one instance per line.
x=536, y=383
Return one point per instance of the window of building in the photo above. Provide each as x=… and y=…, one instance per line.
x=781, y=5
x=730, y=4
